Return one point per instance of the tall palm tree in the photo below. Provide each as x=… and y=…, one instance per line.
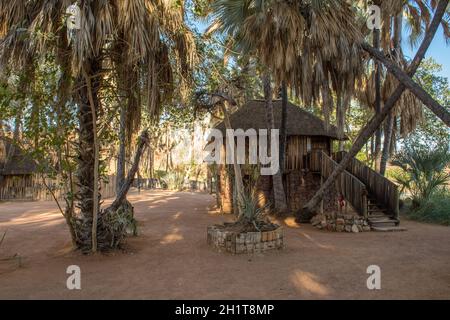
x=416, y=15
x=299, y=41
x=150, y=30
x=408, y=110
x=378, y=119
x=277, y=179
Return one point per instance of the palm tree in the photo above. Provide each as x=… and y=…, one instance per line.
x=417, y=15
x=277, y=179
x=378, y=119
x=300, y=42
x=150, y=30
x=376, y=44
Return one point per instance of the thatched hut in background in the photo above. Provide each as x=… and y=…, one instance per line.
x=21, y=179
x=17, y=170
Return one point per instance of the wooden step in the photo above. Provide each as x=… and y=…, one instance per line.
x=388, y=229
x=375, y=205
x=383, y=221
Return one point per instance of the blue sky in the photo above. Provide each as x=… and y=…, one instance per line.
x=438, y=50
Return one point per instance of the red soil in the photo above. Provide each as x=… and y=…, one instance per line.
x=171, y=260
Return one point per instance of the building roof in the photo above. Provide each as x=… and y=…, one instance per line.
x=13, y=160
x=299, y=121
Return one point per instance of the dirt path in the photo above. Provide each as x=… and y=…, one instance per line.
x=170, y=258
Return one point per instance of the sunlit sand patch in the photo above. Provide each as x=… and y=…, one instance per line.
x=305, y=281
x=176, y=216
x=290, y=222
x=159, y=201
x=322, y=246
x=46, y=219
x=172, y=237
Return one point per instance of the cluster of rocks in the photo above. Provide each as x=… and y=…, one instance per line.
x=248, y=242
x=341, y=223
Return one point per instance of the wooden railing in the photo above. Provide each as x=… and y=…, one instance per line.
x=353, y=190
x=382, y=189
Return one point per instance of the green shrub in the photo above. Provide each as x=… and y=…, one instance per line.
x=436, y=210
x=174, y=180
x=422, y=171
x=251, y=212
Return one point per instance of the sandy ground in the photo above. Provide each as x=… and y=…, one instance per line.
x=171, y=260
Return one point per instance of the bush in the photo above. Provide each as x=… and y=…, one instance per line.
x=174, y=180
x=422, y=171
x=436, y=210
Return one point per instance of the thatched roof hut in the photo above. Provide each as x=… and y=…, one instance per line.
x=13, y=160
x=307, y=138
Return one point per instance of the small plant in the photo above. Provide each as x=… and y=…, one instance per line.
x=174, y=180
x=253, y=217
x=250, y=210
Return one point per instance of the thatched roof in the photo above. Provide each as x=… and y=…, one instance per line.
x=299, y=121
x=13, y=160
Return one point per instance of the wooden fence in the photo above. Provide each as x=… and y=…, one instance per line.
x=382, y=189
x=33, y=188
x=348, y=185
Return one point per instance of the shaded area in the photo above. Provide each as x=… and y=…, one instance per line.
x=170, y=258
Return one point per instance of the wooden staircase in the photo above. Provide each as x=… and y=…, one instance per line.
x=379, y=218
x=380, y=204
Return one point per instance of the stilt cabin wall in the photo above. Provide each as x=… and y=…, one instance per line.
x=301, y=176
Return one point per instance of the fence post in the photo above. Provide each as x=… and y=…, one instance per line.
x=321, y=201
x=397, y=209
x=365, y=205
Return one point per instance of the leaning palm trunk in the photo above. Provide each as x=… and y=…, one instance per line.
x=278, y=189
x=408, y=83
x=377, y=120
x=126, y=185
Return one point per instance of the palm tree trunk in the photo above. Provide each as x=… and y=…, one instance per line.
x=87, y=171
x=283, y=129
x=122, y=192
x=377, y=154
x=377, y=120
x=278, y=188
x=341, y=113
x=327, y=101
x=388, y=131
x=121, y=159
x=389, y=128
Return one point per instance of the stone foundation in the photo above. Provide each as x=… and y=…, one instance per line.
x=301, y=187
x=249, y=242
x=341, y=223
